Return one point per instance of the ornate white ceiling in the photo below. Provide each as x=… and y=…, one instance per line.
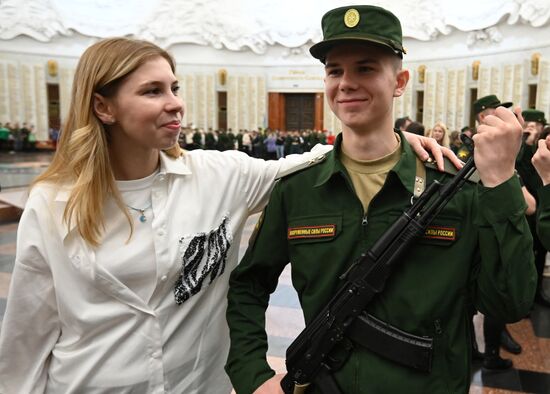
x=242, y=25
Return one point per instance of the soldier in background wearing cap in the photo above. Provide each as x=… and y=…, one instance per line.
x=534, y=125
x=477, y=251
x=541, y=162
x=494, y=330
x=528, y=163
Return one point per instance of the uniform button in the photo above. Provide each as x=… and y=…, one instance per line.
x=160, y=233
x=156, y=355
x=163, y=278
x=161, y=178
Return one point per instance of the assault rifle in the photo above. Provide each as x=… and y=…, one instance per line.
x=312, y=358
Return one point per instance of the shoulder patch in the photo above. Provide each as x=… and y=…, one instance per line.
x=305, y=166
x=257, y=227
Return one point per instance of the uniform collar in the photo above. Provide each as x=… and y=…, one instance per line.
x=405, y=169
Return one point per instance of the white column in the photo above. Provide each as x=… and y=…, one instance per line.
x=461, y=105
x=4, y=94
x=66, y=78
x=518, y=89
x=211, y=102
x=252, y=118
x=40, y=99
x=430, y=86
x=452, y=99
x=232, y=103
x=543, y=90
x=14, y=93
x=262, y=102
x=440, y=107
x=484, y=82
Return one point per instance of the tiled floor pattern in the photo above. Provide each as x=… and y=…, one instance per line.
x=20, y=169
x=531, y=372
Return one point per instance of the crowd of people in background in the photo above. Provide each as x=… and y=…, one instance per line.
x=535, y=129
x=458, y=141
x=16, y=138
x=262, y=143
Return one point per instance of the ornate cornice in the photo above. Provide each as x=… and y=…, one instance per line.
x=255, y=25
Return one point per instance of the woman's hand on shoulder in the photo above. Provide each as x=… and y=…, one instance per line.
x=424, y=146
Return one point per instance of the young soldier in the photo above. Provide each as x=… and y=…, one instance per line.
x=477, y=250
x=534, y=125
x=535, y=180
x=494, y=330
x=541, y=161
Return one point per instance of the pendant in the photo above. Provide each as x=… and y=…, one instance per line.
x=142, y=217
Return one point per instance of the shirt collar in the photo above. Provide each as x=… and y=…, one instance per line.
x=405, y=169
x=170, y=165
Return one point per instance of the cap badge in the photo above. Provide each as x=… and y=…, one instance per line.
x=351, y=17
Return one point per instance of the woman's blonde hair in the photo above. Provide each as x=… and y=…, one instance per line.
x=446, y=141
x=82, y=156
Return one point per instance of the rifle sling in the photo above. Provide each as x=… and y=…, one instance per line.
x=392, y=343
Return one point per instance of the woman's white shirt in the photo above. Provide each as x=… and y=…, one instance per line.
x=73, y=325
x=131, y=260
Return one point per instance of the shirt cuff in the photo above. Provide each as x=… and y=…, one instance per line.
x=499, y=203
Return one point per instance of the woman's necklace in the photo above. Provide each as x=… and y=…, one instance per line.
x=142, y=217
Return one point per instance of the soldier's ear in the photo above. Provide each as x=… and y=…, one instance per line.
x=401, y=80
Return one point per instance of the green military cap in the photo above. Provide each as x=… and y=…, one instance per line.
x=533, y=115
x=490, y=101
x=361, y=23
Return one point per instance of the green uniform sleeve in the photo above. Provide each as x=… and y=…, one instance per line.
x=543, y=216
x=506, y=280
x=250, y=285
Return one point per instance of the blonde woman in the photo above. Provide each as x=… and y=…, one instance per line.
x=440, y=133
x=124, y=251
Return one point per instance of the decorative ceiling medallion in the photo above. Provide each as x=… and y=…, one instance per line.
x=351, y=18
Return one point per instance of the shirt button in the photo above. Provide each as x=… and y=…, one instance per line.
x=161, y=178
x=163, y=278
x=156, y=355
x=160, y=233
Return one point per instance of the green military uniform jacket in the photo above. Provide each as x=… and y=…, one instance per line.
x=543, y=216
x=478, y=251
x=526, y=170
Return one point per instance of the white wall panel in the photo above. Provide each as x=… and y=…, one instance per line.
x=543, y=90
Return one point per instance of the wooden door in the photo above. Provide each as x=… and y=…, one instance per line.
x=299, y=111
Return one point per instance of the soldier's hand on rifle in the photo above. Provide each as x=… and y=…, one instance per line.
x=497, y=144
x=541, y=160
x=271, y=386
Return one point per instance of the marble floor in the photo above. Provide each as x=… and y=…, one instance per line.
x=530, y=374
